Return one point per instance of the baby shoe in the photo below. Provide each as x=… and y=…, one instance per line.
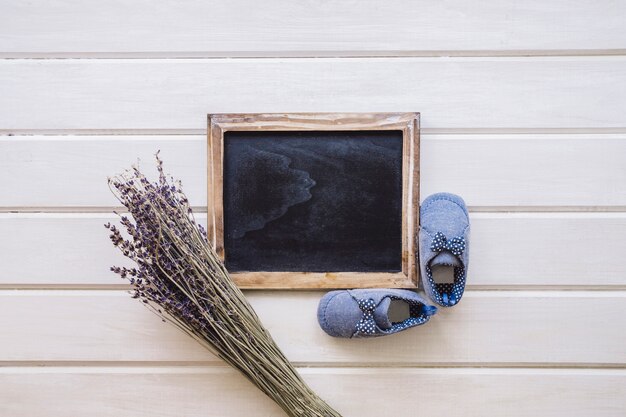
x=366, y=312
x=444, y=247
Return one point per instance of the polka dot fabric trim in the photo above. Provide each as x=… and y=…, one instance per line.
x=416, y=316
x=367, y=325
x=447, y=294
x=456, y=245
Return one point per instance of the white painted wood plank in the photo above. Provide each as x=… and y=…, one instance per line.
x=487, y=327
x=72, y=171
x=201, y=391
x=564, y=92
x=509, y=249
x=237, y=27
x=487, y=170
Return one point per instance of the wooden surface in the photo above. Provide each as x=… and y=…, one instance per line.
x=522, y=114
x=523, y=255
x=407, y=123
x=478, y=93
x=492, y=171
x=79, y=28
x=217, y=392
x=529, y=328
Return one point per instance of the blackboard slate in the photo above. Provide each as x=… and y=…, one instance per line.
x=313, y=201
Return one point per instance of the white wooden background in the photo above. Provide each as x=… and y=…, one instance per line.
x=524, y=114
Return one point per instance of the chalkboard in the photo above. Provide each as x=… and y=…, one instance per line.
x=315, y=200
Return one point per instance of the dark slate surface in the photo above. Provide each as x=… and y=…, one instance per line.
x=313, y=201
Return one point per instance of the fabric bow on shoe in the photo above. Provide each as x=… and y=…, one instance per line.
x=456, y=245
x=367, y=324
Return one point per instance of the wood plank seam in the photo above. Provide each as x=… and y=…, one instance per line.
x=50, y=366
x=28, y=133
x=339, y=53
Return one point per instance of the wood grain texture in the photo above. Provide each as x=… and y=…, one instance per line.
x=218, y=392
x=468, y=67
x=314, y=28
x=509, y=250
x=550, y=328
x=487, y=170
x=561, y=92
x=407, y=123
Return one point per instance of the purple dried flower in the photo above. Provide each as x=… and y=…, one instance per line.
x=180, y=277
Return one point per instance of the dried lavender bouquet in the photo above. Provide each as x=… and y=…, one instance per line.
x=180, y=278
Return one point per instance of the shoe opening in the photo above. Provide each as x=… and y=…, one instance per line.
x=402, y=313
x=399, y=311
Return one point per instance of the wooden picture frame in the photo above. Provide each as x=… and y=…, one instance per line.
x=407, y=123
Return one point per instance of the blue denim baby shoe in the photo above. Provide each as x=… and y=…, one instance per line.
x=366, y=313
x=444, y=247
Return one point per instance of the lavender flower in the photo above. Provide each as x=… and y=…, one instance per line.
x=179, y=277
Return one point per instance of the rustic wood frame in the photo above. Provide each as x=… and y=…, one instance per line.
x=408, y=123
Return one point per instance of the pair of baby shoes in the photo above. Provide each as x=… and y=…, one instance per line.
x=443, y=258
